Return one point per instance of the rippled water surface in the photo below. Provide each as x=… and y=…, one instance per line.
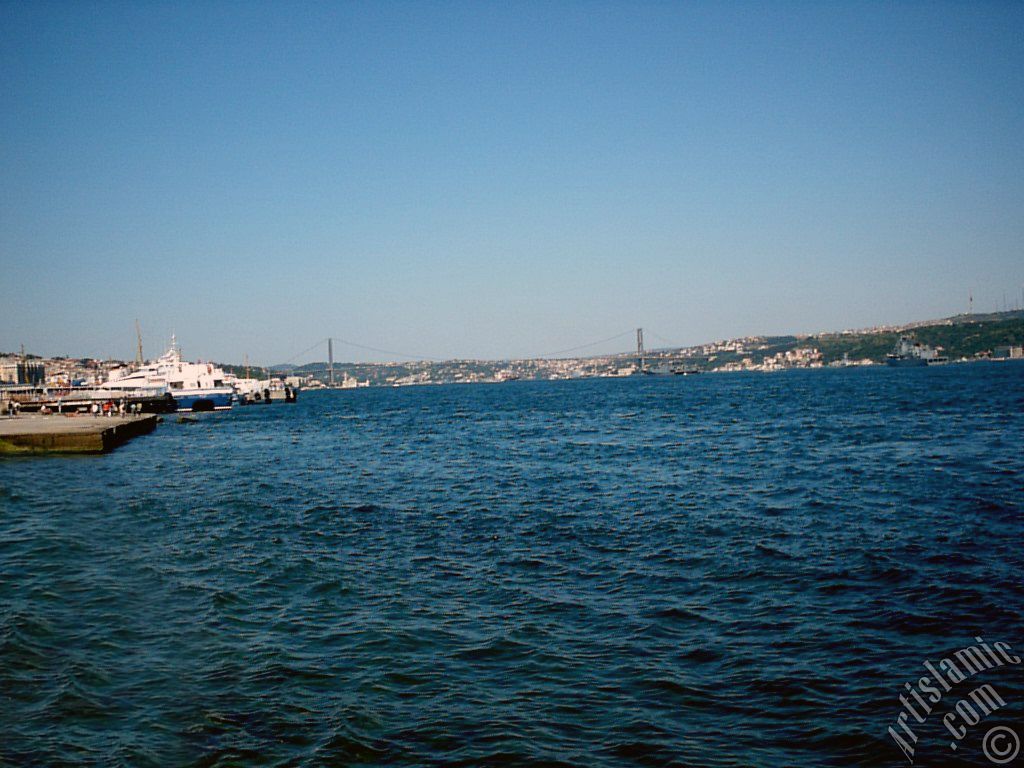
x=724, y=570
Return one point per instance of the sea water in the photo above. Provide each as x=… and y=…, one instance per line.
x=716, y=570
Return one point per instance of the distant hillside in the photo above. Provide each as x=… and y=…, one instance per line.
x=963, y=337
x=983, y=317
x=960, y=337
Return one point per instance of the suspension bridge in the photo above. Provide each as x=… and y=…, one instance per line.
x=327, y=344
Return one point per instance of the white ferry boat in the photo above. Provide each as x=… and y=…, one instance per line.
x=194, y=386
x=249, y=391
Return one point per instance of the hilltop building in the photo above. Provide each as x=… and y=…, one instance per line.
x=22, y=372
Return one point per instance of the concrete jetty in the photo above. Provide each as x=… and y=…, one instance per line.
x=70, y=433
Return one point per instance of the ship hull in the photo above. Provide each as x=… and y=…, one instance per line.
x=213, y=400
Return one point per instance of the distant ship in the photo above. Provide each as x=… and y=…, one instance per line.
x=264, y=391
x=912, y=354
x=194, y=386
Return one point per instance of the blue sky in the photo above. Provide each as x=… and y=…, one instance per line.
x=500, y=179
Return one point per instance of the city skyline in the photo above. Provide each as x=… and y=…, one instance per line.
x=622, y=345
x=497, y=183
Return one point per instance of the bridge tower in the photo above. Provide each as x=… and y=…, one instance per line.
x=330, y=361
